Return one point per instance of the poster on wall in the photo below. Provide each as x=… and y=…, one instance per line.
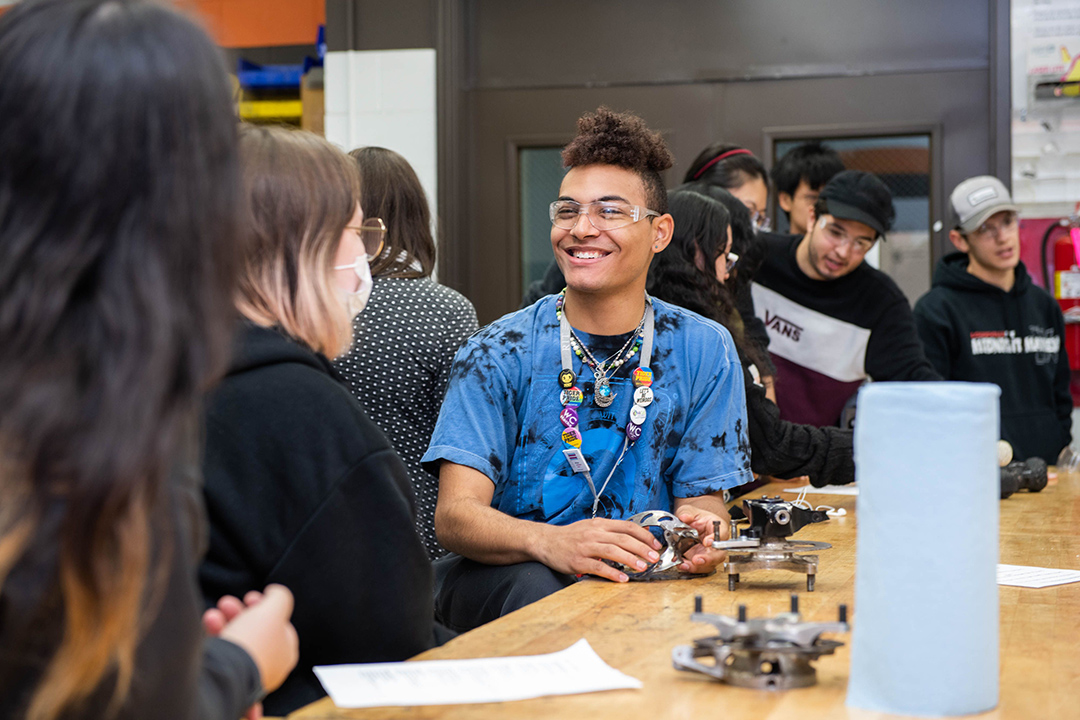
x=1054, y=39
x=1048, y=32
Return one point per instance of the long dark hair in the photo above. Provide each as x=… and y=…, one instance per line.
x=118, y=183
x=684, y=275
x=744, y=240
x=390, y=189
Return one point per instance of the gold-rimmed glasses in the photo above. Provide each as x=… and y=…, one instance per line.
x=372, y=234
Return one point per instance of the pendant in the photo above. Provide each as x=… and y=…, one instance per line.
x=602, y=393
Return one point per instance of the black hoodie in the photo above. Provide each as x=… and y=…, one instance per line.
x=977, y=332
x=304, y=490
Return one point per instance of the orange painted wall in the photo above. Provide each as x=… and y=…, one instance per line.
x=260, y=23
x=257, y=23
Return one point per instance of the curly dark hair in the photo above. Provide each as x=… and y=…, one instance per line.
x=606, y=137
x=701, y=226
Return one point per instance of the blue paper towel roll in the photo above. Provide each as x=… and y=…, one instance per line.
x=925, y=639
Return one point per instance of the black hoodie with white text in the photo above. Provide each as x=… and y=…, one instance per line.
x=977, y=332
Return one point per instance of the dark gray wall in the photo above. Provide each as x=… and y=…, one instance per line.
x=379, y=24
x=519, y=72
x=568, y=43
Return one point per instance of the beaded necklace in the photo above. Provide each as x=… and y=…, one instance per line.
x=571, y=397
x=603, y=395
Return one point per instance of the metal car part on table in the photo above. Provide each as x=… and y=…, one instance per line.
x=762, y=653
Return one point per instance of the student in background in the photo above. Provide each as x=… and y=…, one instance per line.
x=985, y=321
x=833, y=320
x=118, y=188
x=407, y=335
x=738, y=171
x=693, y=272
x=302, y=488
x=798, y=177
x=749, y=245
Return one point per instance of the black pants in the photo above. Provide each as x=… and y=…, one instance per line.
x=469, y=594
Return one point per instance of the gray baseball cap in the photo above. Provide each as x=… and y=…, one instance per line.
x=976, y=199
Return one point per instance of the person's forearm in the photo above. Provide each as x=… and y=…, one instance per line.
x=484, y=534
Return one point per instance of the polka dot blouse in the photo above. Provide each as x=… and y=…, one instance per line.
x=398, y=369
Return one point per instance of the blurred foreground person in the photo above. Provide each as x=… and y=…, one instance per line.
x=118, y=182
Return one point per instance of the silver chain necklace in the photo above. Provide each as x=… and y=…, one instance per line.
x=602, y=394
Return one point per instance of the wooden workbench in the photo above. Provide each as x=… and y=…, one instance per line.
x=635, y=626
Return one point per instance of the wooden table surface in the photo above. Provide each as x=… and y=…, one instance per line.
x=634, y=627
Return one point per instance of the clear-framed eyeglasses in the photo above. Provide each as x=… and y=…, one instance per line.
x=732, y=258
x=372, y=234
x=839, y=237
x=604, y=215
x=996, y=227
x=761, y=221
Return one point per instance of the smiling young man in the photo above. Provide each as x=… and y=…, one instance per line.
x=985, y=321
x=834, y=321
x=566, y=418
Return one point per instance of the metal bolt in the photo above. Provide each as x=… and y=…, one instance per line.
x=843, y=613
x=697, y=603
x=794, y=603
x=742, y=613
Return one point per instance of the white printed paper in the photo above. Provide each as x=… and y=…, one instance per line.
x=827, y=490
x=1035, y=577
x=577, y=669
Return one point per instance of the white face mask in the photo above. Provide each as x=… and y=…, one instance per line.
x=357, y=300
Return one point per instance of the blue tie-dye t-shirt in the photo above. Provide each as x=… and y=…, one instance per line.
x=501, y=417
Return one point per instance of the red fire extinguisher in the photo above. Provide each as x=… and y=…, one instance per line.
x=1066, y=285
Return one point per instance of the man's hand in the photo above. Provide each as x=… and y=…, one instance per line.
x=702, y=558
x=581, y=548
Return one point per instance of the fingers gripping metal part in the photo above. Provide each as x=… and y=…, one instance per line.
x=677, y=538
